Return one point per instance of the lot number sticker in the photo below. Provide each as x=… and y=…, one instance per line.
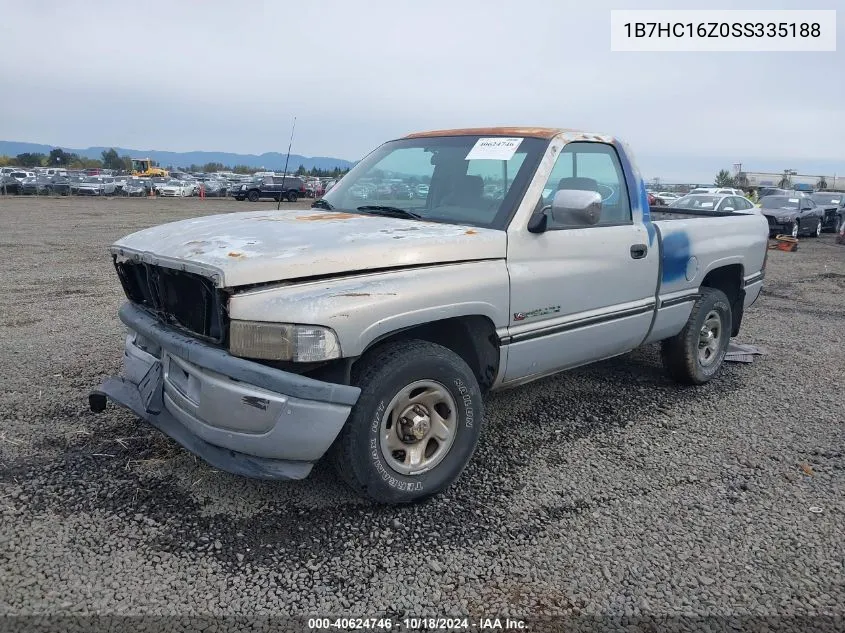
x=494, y=148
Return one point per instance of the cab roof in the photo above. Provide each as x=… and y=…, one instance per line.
x=531, y=132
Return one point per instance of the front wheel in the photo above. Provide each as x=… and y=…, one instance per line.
x=795, y=229
x=694, y=356
x=253, y=196
x=838, y=224
x=818, y=231
x=415, y=425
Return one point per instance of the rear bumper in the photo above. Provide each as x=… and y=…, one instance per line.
x=238, y=415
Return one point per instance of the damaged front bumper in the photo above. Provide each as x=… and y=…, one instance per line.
x=239, y=416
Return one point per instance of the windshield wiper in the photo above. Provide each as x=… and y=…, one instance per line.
x=391, y=212
x=322, y=204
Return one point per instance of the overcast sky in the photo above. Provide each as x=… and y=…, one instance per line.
x=230, y=76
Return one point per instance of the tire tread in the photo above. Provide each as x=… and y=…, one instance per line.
x=367, y=372
x=679, y=353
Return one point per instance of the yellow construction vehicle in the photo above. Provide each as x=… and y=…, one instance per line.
x=144, y=167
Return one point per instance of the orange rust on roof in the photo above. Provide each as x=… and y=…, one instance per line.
x=535, y=132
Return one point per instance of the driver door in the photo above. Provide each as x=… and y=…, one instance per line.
x=580, y=293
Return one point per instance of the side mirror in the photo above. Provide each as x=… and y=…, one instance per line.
x=575, y=207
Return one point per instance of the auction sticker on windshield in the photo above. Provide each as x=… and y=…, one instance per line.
x=494, y=148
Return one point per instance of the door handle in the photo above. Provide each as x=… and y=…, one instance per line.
x=638, y=251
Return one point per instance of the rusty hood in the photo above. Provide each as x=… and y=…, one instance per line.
x=238, y=249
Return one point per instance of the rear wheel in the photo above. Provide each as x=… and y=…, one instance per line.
x=253, y=196
x=415, y=425
x=694, y=356
x=291, y=196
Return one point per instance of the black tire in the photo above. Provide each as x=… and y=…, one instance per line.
x=383, y=374
x=253, y=196
x=796, y=229
x=292, y=196
x=818, y=230
x=837, y=224
x=680, y=354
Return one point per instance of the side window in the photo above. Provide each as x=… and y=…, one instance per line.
x=591, y=167
x=731, y=202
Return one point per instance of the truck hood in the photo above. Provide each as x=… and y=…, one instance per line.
x=237, y=249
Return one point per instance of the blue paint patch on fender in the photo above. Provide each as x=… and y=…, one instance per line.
x=676, y=254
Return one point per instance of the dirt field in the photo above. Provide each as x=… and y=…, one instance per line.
x=607, y=490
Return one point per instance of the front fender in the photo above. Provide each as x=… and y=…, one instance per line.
x=363, y=308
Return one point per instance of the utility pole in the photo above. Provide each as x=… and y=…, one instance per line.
x=285, y=176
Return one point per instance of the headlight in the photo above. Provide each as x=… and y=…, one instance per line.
x=243, y=187
x=282, y=341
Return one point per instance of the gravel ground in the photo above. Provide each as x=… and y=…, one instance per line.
x=607, y=490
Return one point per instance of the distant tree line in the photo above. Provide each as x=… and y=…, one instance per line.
x=69, y=160
x=110, y=159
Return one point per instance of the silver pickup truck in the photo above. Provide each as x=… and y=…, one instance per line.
x=442, y=266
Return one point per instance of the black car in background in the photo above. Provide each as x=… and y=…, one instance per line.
x=832, y=204
x=289, y=188
x=9, y=186
x=792, y=215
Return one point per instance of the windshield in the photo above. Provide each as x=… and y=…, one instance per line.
x=779, y=202
x=453, y=179
x=697, y=202
x=827, y=198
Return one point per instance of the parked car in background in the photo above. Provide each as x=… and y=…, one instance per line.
x=96, y=186
x=717, y=203
x=59, y=186
x=215, y=188
x=20, y=176
x=777, y=191
x=832, y=205
x=792, y=215
x=667, y=196
x=74, y=182
x=119, y=182
x=36, y=185
x=136, y=187
x=724, y=191
x=176, y=188
x=9, y=186
x=288, y=188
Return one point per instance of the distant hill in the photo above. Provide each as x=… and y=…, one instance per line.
x=270, y=160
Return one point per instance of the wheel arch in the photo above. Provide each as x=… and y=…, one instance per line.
x=472, y=337
x=730, y=280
